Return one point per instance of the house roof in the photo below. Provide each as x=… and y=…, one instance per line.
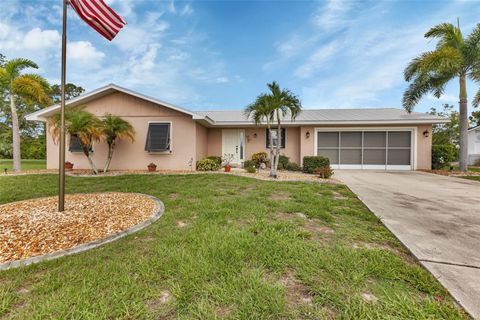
x=360, y=116
x=477, y=127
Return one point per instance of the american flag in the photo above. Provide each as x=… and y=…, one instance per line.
x=99, y=16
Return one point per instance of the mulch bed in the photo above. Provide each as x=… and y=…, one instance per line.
x=454, y=173
x=35, y=227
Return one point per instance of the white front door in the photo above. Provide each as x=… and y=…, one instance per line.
x=233, y=143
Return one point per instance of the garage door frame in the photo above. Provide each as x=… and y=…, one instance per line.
x=413, y=146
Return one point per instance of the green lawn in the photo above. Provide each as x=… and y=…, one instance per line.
x=473, y=169
x=244, y=253
x=476, y=178
x=27, y=164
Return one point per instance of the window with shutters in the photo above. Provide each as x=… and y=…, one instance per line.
x=158, y=137
x=275, y=137
x=75, y=145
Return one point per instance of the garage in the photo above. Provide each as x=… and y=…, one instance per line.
x=367, y=149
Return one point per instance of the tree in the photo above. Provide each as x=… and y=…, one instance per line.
x=81, y=124
x=453, y=57
x=71, y=91
x=114, y=128
x=21, y=88
x=273, y=107
x=475, y=118
x=446, y=133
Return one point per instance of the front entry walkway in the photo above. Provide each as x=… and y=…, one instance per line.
x=436, y=217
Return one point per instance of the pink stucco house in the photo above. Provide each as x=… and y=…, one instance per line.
x=175, y=138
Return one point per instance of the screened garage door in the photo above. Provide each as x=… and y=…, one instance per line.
x=389, y=150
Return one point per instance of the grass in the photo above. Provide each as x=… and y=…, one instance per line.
x=476, y=178
x=27, y=164
x=241, y=253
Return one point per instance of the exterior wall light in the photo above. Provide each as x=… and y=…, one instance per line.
x=255, y=135
x=307, y=134
x=426, y=133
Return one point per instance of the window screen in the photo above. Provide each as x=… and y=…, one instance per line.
x=158, y=137
x=327, y=140
x=275, y=137
x=75, y=145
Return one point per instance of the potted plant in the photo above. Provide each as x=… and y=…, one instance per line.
x=226, y=161
x=152, y=167
x=68, y=165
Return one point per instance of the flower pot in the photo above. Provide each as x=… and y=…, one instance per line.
x=152, y=168
x=227, y=168
x=68, y=166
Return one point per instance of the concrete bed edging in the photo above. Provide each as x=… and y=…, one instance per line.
x=160, y=209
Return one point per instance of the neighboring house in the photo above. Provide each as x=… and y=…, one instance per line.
x=175, y=138
x=473, y=145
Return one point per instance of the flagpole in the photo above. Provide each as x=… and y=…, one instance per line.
x=61, y=162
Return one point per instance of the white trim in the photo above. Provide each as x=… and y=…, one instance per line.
x=241, y=160
x=170, y=151
x=413, y=147
x=40, y=114
x=332, y=123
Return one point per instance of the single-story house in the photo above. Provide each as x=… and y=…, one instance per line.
x=473, y=145
x=175, y=138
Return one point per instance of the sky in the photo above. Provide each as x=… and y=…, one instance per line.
x=208, y=55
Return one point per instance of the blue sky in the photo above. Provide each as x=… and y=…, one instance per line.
x=220, y=54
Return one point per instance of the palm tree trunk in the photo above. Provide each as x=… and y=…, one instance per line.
x=463, y=118
x=111, y=146
x=279, y=142
x=272, y=156
x=17, y=166
x=86, y=151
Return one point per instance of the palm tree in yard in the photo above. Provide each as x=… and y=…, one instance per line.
x=114, y=128
x=28, y=88
x=273, y=107
x=454, y=57
x=81, y=124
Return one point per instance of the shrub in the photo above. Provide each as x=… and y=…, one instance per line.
x=250, y=169
x=259, y=158
x=292, y=166
x=310, y=163
x=324, y=172
x=283, y=161
x=207, y=165
x=442, y=155
x=248, y=163
x=477, y=163
x=217, y=159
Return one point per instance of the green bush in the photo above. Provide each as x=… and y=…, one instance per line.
x=442, y=155
x=217, y=159
x=249, y=163
x=259, y=158
x=292, y=166
x=310, y=163
x=283, y=161
x=250, y=169
x=207, y=165
x=477, y=163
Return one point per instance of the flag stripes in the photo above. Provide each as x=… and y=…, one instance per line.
x=99, y=16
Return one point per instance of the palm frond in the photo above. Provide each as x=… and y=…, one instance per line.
x=15, y=66
x=114, y=127
x=476, y=99
x=33, y=88
x=422, y=85
x=447, y=35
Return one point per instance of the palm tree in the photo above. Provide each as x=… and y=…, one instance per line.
x=274, y=106
x=31, y=88
x=81, y=124
x=114, y=128
x=453, y=57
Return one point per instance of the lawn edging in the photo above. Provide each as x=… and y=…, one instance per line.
x=160, y=209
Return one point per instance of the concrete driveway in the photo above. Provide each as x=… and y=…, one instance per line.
x=436, y=217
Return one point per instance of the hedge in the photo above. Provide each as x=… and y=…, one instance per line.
x=310, y=163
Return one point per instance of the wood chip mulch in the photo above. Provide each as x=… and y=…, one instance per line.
x=35, y=227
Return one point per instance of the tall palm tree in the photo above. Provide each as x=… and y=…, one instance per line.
x=114, y=128
x=273, y=107
x=453, y=57
x=31, y=88
x=82, y=124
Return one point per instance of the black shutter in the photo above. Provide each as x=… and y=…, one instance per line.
x=158, y=137
x=284, y=136
x=75, y=145
x=267, y=140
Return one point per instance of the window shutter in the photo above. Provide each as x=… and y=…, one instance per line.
x=283, y=138
x=75, y=145
x=158, y=137
x=267, y=136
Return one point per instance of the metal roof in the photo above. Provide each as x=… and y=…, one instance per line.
x=360, y=116
x=332, y=116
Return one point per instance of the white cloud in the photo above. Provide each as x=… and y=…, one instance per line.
x=317, y=60
x=186, y=10
x=36, y=39
x=84, y=52
x=333, y=15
